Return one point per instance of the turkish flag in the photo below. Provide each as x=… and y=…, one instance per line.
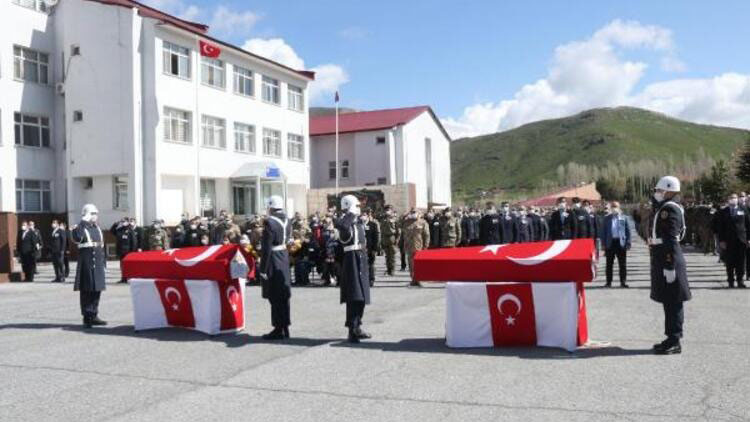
x=218, y=262
x=209, y=50
x=176, y=301
x=512, y=314
x=549, y=261
x=232, y=306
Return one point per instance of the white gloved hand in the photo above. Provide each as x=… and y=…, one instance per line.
x=86, y=218
x=264, y=276
x=671, y=275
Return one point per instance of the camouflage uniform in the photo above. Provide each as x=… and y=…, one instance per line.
x=158, y=240
x=416, y=236
x=390, y=234
x=450, y=231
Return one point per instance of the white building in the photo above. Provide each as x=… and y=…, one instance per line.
x=111, y=102
x=384, y=147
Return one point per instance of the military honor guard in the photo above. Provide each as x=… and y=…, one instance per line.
x=90, y=275
x=276, y=280
x=669, y=283
x=355, y=277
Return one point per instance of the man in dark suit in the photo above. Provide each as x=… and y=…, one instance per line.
x=126, y=240
x=562, y=224
x=489, y=226
x=733, y=226
x=508, y=225
x=27, y=245
x=58, y=246
x=581, y=218
x=616, y=241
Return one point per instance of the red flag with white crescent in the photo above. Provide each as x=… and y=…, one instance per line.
x=550, y=261
x=193, y=263
x=232, y=308
x=176, y=301
x=209, y=50
x=512, y=314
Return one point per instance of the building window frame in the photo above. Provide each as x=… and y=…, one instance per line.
x=244, y=138
x=295, y=147
x=120, y=192
x=213, y=73
x=37, y=5
x=27, y=187
x=23, y=125
x=213, y=129
x=271, y=90
x=244, y=79
x=272, y=143
x=295, y=98
x=179, y=56
x=344, y=169
x=175, y=120
x=25, y=59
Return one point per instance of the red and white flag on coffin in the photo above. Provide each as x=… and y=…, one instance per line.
x=209, y=50
x=513, y=314
x=209, y=306
x=218, y=262
x=553, y=261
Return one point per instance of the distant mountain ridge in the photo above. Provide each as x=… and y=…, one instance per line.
x=524, y=157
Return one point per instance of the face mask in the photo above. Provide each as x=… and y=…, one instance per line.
x=447, y=214
x=561, y=206
x=413, y=216
x=577, y=205
x=24, y=227
x=659, y=196
x=204, y=241
x=742, y=199
x=94, y=218
x=193, y=227
x=616, y=211
x=733, y=202
x=157, y=226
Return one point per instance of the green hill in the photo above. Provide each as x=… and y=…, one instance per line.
x=527, y=157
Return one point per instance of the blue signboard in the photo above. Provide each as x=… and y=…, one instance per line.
x=273, y=172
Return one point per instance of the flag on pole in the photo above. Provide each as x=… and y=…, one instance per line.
x=337, y=96
x=209, y=50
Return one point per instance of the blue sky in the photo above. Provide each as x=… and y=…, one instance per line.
x=471, y=60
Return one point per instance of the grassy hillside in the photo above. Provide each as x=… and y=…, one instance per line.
x=520, y=159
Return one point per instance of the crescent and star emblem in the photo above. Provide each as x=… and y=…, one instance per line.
x=191, y=262
x=492, y=248
x=508, y=297
x=231, y=290
x=176, y=305
x=558, y=247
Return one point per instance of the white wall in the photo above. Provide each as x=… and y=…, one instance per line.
x=415, y=133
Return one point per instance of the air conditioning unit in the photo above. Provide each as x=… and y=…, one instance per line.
x=60, y=88
x=51, y=3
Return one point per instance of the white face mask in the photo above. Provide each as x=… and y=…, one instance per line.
x=193, y=227
x=578, y=205
x=54, y=226
x=659, y=196
x=506, y=209
x=561, y=206
x=24, y=227
x=413, y=216
x=733, y=202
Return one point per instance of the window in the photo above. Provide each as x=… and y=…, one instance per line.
x=244, y=137
x=243, y=81
x=120, y=191
x=38, y=5
x=177, y=126
x=208, y=197
x=271, y=90
x=272, y=142
x=176, y=60
x=214, y=134
x=331, y=170
x=31, y=131
x=345, y=169
x=30, y=65
x=78, y=116
x=295, y=147
x=380, y=140
x=296, y=98
x=382, y=180
x=212, y=72
x=33, y=195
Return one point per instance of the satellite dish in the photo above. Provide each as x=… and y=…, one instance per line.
x=51, y=3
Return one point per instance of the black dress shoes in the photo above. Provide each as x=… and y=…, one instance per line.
x=624, y=285
x=353, y=337
x=286, y=332
x=276, y=334
x=95, y=321
x=670, y=346
x=362, y=335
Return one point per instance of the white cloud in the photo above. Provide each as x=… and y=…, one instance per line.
x=229, y=23
x=190, y=13
x=591, y=73
x=328, y=77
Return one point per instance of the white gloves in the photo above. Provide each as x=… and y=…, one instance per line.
x=671, y=275
x=263, y=276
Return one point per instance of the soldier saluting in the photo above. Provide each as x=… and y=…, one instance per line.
x=90, y=278
x=355, y=274
x=669, y=283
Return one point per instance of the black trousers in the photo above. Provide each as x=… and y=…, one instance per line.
x=403, y=255
x=734, y=259
x=616, y=251
x=90, y=304
x=66, y=262
x=28, y=264
x=371, y=264
x=674, y=316
x=58, y=265
x=355, y=310
x=280, y=313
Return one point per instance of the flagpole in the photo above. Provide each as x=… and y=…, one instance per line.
x=196, y=75
x=337, y=144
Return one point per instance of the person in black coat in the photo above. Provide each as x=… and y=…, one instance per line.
x=562, y=224
x=125, y=240
x=580, y=215
x=433, y=222
x=58, y=245
x=66, y=252
x=669, y=282
x=508, y=225
x=489, y=226
x=372, y=232
x=355, y=273
x=524, y=227
x=276, y=280
x=141, y=241
x=27, y=245
x=90, y=275
x=733, y=227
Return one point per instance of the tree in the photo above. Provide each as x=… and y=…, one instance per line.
x=743, y=163
x=716, y=186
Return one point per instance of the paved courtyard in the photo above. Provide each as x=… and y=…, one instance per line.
x=53, y=370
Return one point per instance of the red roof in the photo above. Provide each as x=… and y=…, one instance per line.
x=363, y=121
x=196, y=28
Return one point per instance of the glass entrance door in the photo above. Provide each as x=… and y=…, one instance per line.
x=243, y=199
